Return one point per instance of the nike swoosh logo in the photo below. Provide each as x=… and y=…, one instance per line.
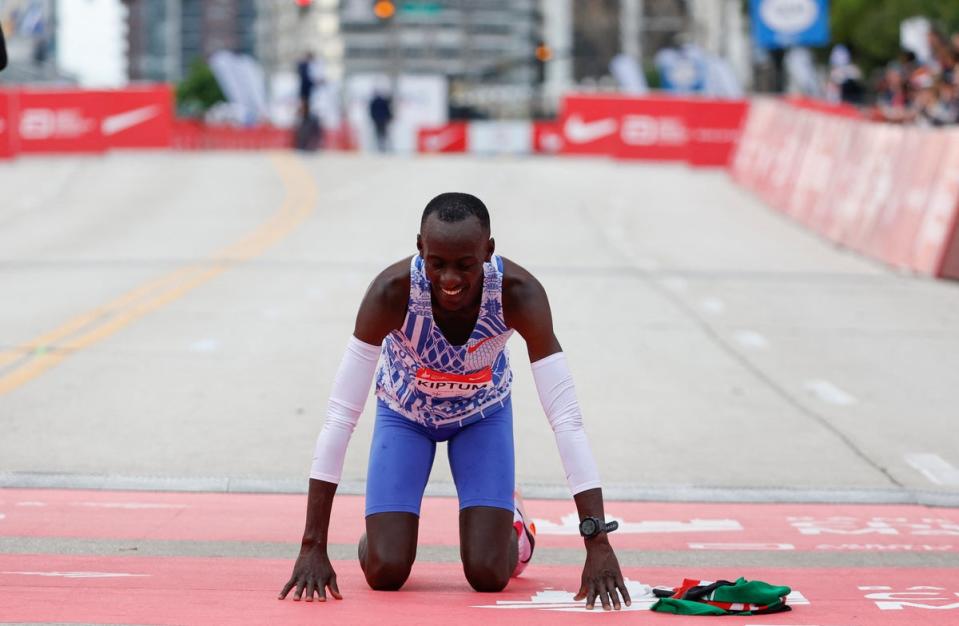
x=577, y=130
x=473, y=348
x=438, y=143
x=113, y=124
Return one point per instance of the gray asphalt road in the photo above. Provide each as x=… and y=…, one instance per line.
x=175, y=320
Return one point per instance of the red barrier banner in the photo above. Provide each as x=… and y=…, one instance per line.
x=195, y=135
x=138, y=117
x=590, y=124
x=916, y=195
x=879, y=185
x=8, y=124
x=714, y=128
x=698, y=131
x=840, y=179
x=890, y=192
x=547, y=138
x=936, y=248
x=448, y=138
x=815, y=171
x=61, y=121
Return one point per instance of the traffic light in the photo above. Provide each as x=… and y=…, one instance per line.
x=384, y=9
x=543, y=54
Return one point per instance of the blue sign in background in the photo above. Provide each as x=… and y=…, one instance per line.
x=785, y=23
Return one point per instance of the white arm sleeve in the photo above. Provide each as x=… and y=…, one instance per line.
x=558, y=397
x=347, y=398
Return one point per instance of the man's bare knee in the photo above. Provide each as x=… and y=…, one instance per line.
x=485, y=574
x=387, y=572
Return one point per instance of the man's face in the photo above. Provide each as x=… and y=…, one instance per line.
x=454, y=253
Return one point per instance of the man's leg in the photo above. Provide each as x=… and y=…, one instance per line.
x=488, y=547
x=401, y=456
x=481, y=459
x=388, y=549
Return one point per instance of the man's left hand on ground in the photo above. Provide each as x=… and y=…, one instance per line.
x=601, y=576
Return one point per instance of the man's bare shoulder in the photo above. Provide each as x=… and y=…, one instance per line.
x=384, y=304
x=524, y=298
x=519, y=284
x=392, y=285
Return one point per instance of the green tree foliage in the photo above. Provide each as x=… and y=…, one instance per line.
x=198, y=91
x=871, y=27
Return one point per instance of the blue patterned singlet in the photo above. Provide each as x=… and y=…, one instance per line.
x=426, y=379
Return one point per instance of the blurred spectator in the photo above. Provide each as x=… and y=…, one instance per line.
x=306, y=72
x=892, y=99
x=308, y=132
x=926, y=94
x=381, y=113
x=934, y=103
x=845, y=77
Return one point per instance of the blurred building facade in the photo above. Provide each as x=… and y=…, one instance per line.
x=486, y=49
x=601, y=29
x=286, y=30
x=165, y=37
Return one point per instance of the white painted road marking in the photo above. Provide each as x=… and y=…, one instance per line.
x=77, y=574
x=131, y=505
x=741, y=546
x=751, y=339
x=714, y=306
x=569, y=525
x=935, y=468
x=556, y=600
x=31, y=503
x=205, y=345
x=675, y=284
x=830, y=393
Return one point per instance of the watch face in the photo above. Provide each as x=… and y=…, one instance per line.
x=588, y=527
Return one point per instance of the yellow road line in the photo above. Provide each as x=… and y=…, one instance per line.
x=47, y=350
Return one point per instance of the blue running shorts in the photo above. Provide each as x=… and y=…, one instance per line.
x=402, y=452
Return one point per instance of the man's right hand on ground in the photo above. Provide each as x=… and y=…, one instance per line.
x=312, y=572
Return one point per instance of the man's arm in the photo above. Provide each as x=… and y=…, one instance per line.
x=526, y=309
x=382, y=309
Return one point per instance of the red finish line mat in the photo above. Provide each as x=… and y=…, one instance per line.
x=643, y=525
x=147, y=590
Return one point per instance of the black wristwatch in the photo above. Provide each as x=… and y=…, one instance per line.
x=589, y=527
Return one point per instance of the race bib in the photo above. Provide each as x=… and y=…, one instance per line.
x=444, y=385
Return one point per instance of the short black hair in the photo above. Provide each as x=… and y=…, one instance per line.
x=456, y=207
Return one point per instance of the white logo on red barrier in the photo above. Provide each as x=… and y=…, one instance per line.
x=442, y=141
x=39, y=124
x=789, y=16
x=113, y=124
x=646, y=130
x=578, y=130
x=935, y=598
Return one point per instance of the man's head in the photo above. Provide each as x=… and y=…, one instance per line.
x=454, y=242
